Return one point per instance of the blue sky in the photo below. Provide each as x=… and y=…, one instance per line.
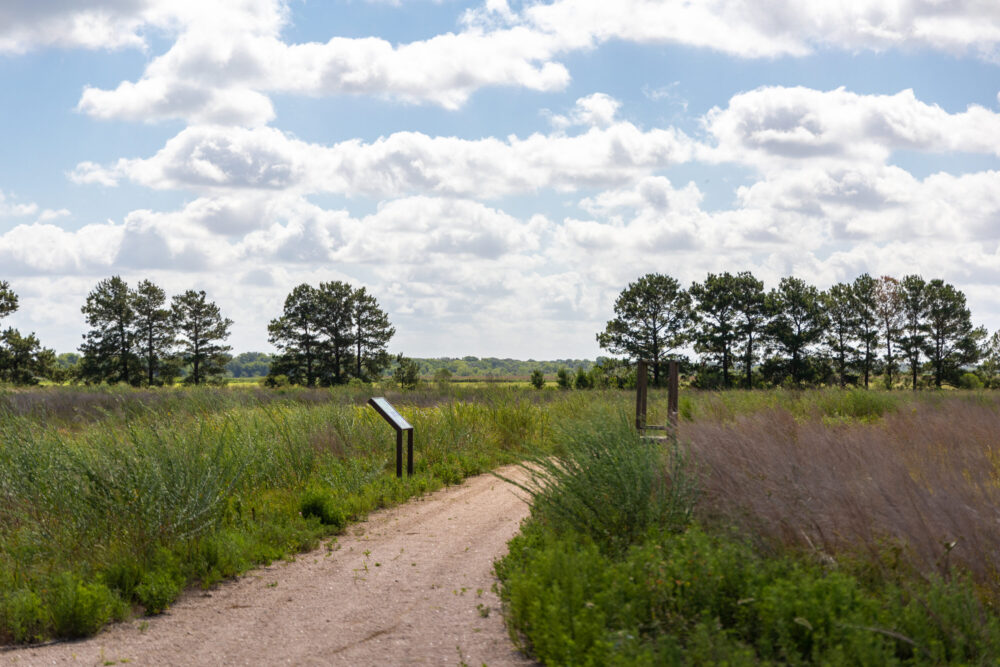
x=494, y=172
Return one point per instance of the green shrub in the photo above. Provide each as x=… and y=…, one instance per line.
x=321, y=504
x=970, y=381
x=537, y=379
x=699, y=598
x=161, y=583
x=79, y=609
x=22, y=617
x=157, y=590
x=563, y=379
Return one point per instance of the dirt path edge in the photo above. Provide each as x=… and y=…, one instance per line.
x=411, y=585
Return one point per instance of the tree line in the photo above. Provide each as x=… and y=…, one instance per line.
x=328, y=335
x=325, y=335
x=138, y=338
x=796, y=334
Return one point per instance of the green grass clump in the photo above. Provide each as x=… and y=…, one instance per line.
x=321, y=504
x=609, y=483
x=79, y=609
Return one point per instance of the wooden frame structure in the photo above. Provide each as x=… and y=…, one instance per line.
x=641, y=388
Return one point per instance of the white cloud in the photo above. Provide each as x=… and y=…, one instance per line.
x=211, y=73
x=783, y=28
x=212, y=158
x=10, y=208
x=776, y=127
x=114, y=24
x=228, y=56
x=597, y=110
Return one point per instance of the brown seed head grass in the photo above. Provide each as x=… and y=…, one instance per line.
x=924, y=479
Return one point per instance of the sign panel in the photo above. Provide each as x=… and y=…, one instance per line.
x=385, y=409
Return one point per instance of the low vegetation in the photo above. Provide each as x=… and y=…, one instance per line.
x=822, y=527
x=787, y=526
x=111, y=502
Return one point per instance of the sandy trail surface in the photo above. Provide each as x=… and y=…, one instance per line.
x=410, y=585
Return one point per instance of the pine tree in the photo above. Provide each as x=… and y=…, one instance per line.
x=864, y=290
x=751, y=317
x=797, y=322
x=109, y=347
x=296, y=334
x=891, y=316
x=652, y=316
x=154, y=331
x=951, y=339
x=200, y=331
x=372, y=333
x=914, y=303
x=716, y=319
x=8, y=299
x=838, y=301
x=335, y=323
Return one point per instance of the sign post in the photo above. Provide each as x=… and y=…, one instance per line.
x=396, y=420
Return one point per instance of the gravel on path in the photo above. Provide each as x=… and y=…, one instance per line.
x=411, y=585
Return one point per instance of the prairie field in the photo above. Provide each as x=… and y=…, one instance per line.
x=882, y=506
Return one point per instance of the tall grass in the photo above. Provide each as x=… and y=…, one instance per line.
x=919, y=488
x=135, y=494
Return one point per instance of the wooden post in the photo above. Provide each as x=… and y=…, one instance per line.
x=399, y=453
x=409, y=453
x=672, y=391
x=640, y=395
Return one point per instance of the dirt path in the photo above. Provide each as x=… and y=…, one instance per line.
x=409, y=586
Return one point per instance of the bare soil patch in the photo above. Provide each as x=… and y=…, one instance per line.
x=411, y=585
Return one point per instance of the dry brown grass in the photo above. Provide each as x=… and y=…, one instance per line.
x=922, y=485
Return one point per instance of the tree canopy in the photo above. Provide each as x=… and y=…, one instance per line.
x=329, y=334
x=652, y=318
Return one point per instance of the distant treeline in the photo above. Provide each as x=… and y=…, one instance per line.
x=907, y=331
x=258, y=364
x=493, y=367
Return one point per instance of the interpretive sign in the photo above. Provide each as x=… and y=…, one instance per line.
x=391, y=415
x=384, y=408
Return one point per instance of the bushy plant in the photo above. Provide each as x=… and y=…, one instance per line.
x=407, y=373
x=701, y=598
x=537, y=379
x=79, y=609
x=320, y=504
x=609, y=483
x=970, y=381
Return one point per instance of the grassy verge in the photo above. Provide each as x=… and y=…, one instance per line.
x=815, y=537
x=116, y=511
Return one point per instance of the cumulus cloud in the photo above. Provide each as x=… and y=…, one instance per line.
x=227, y=57
x=213, y=158
x=776, y=127
x=785, y=28
x=594, y=110
x=11, y=208
x=214, y=73
x=114, y=24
